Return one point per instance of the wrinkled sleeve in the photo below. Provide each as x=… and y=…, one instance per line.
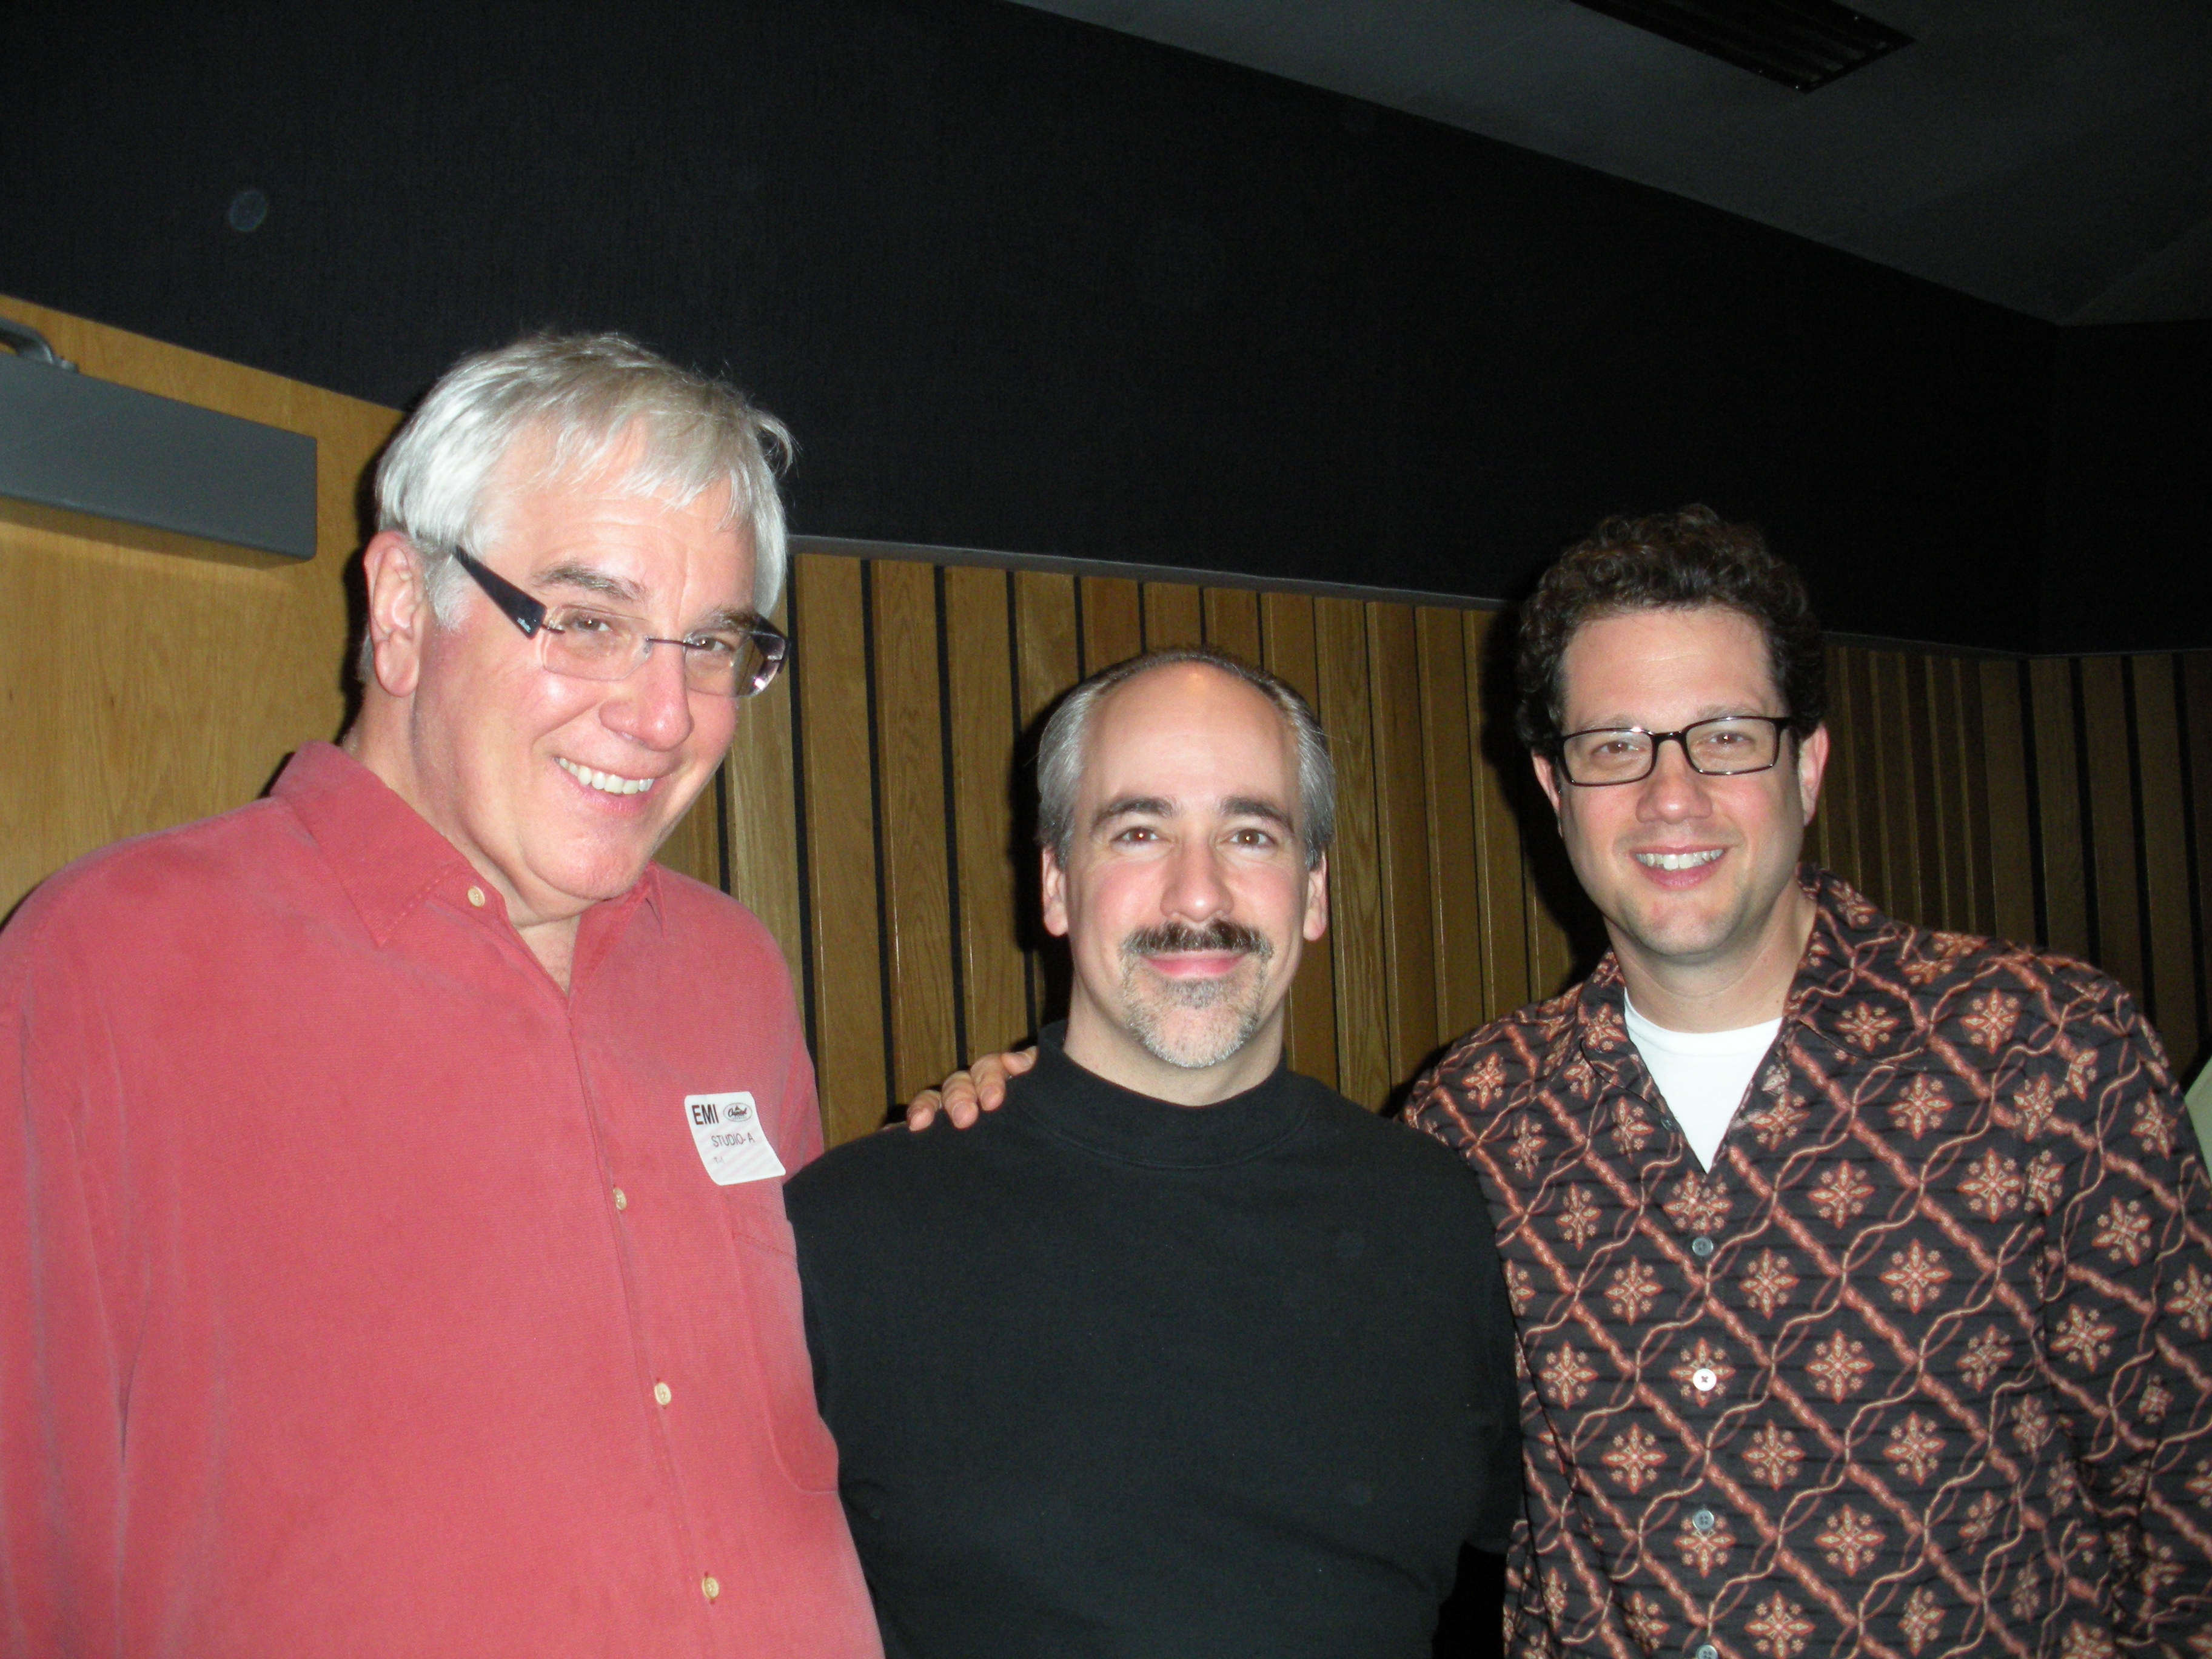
x=61, y=1417
x=2127, y=1317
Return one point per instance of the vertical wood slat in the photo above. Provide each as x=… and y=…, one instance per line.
x=1872, y=780
x=1970, y=750
x=1449, y=761
x=980, y=676
x=1497, y=837
x=1232, y=621
x=760, y=813
x=2119, y=945
x=1899, y=753
x=1401, y=813
x=1113, y=621
x=694, y=847
x=1047, y=661
x=1363, y=1048
x=2058, y=807
x=2172, y=948
x=1943, y=833
x=2004, y=749
x=831, y=678
x=1838, y=808
x=1173, y=615
x=2196, y=694
x=1310, y=1021
x=911, y=805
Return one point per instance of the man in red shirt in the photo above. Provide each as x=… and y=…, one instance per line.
x=392, y=1168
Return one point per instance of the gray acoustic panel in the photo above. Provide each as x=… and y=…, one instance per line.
x=91, y=447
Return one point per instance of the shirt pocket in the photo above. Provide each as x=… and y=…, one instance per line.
x=776, y=1335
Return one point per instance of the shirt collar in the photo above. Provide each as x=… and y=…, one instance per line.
x=1831, y=997
x=389, y=859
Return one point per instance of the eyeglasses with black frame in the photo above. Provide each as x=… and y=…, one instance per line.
x=1725, y=747
x=587, y=644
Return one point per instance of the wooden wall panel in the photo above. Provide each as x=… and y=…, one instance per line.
x=1401, y=814
x=2170, y=951
x=152, y=688
x=1113, y=621
x=912, y=818
x=1355, y=877
x=1047, y=661
x=1972, y=743
x=1310, y=1026
x=2118, y=942
x=994, y=876
x=2058, y=807
x=1232, y=621
x=2004, y=751
x=1449, y=762
x=1174, y=615
x=830, y=672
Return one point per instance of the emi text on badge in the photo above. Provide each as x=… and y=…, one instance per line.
x=726, y=1129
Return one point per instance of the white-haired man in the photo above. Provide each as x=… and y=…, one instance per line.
x=391, y=1171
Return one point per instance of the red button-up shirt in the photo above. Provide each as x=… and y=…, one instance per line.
x=361, y=1292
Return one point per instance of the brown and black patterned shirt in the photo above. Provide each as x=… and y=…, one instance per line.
x=1922, y=1366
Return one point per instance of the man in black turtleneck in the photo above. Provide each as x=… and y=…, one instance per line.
x=1178, y=1353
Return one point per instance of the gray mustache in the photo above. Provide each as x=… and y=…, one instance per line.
x=1220, y=934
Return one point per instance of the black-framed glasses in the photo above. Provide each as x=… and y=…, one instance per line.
x=1723, y=748
x=588, y=644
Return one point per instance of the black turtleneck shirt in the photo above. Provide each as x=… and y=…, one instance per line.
x=1110, y=1375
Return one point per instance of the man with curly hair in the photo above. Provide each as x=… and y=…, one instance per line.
x=1861, y=1272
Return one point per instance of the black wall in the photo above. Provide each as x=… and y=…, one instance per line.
x=1023, y=285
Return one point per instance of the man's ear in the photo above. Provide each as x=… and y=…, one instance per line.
x=1055, y=894
x=1545, y=779
x=398, y=610
x=1812, y=767
x=1317, y=899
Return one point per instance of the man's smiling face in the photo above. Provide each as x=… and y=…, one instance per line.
x=560, y=789
x=1185, y=897
x=1689, y=872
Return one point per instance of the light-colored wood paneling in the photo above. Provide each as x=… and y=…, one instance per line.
x=1363, y=1046
x=1402, y=815
x=167, y=687
x=910, y=761
x=1310, y=1020
x=1113, y=621
x=1047, y=659
x=760, y=813
x=994, y=879
x=1448, y=770
x=830, y=672
x=1232, y=621
x=1174, y=615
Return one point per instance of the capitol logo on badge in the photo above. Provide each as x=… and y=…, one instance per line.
x=726, y=1129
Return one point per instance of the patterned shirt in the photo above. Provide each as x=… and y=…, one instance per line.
x=1923, y=1365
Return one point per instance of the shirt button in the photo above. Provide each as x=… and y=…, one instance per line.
x=622, y=1202
x=1704, y=1379
x=708, y=1588
x=660, y=1393
x=1701, y=1246
x=1706, y=1650
x=475, y=896
x=1703, y=1521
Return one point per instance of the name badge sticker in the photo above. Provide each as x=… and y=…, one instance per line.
x=726, y=1129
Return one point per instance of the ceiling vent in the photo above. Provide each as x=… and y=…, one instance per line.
x=1803, y=44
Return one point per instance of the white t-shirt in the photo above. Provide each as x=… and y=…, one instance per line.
x=1702, y=1075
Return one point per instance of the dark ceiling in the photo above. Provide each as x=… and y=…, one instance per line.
x=2053, y=156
